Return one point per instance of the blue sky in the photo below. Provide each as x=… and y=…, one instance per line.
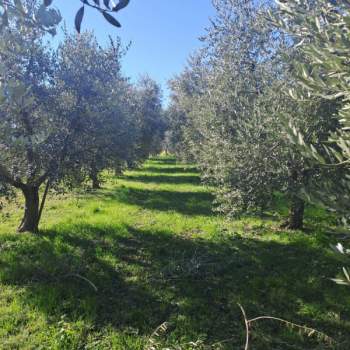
x=163, y=33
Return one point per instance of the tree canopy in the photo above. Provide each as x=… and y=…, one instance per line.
x=234, y=108
x=43, y=15
x=68, y=114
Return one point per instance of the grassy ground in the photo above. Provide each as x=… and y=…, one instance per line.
x=109, y=267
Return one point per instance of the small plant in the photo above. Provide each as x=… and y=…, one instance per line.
x=96, y=210
x=65, y=335
x=154, y=341
x=346, y=279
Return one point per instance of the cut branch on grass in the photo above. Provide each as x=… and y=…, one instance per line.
x=307, y=330
x=152, y=343
x=247, y=328
x=76, y=275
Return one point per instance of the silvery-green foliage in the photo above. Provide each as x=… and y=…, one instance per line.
x=320, y=30
x=46, y=17
x=113, y=124
x=94, y=96
x=30, y=130
x=174, y=136
x=345, y=278
x=107, y=8
x=236, y=111
x=31, y=13
x=186, y=89
x=68, y=114
x=150, y=117
x=28, y=127
x=227, y=97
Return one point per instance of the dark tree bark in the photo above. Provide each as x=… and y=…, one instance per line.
x=30, y=221
x=296, y=214
x=295, y=220
x=118, y=171
x=95, y=180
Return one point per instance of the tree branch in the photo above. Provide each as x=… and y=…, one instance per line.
x=7, y=177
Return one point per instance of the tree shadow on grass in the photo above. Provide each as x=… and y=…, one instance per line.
x=147, y=277
x=161, y=160
x=61, y=269
x=164, y=179
x=187, y=203
x=171, y=170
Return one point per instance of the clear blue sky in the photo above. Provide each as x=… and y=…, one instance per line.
x=163, y=33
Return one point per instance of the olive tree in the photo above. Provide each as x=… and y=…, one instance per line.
x=29, y=130
x=52, y=120
x=149, y=116
x=232, y=96
x=90, y=76
x=320, y=30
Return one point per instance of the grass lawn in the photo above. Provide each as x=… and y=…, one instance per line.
x=110, y=266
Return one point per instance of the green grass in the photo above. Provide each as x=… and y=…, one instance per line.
x=156, y=253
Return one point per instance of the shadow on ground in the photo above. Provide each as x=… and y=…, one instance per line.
x=194, y=202
x=187, y=203
x=171, y=170
x=164, y=179
x=162, y=161
x=147, y=277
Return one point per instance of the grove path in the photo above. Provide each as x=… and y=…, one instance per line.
x=109, y=267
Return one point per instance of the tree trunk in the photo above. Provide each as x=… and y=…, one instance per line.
x=95, y=181
x=296, y=214
x=118, y=171
x=30, y=221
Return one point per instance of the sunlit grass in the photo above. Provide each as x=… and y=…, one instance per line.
x=156, y=253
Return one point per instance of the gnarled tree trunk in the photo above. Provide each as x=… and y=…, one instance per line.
x=118, y=171
x=296, y=214
x=31, y=218
x=95, y=180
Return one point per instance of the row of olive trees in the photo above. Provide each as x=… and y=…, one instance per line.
x=230, y=112
x=68, y=114
x=322, y=30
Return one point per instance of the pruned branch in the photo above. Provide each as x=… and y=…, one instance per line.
x=76, y=275
x=308, y=330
